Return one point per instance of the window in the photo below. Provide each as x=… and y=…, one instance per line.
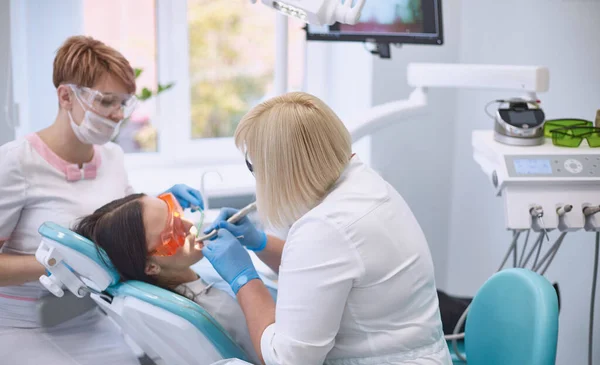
x=226, y=76
x=229, y=66
x=231, y=62
x=130, y=27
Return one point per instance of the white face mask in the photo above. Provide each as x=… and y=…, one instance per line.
x=94, y=129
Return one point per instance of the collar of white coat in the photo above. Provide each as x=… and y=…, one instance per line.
x=354, y=163
x=72, y=172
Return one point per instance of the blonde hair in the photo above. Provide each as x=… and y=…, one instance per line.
x=298, y=148
x=83, y=60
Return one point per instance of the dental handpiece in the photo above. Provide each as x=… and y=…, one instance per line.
x=233, y=219
x=588, y=211
x=538, y=212
x=564, y=210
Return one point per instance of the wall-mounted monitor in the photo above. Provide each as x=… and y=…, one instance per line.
x=385, y=22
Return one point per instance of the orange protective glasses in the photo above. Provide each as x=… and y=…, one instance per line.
x=173, y=237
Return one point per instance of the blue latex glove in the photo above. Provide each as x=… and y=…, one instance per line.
x=187, y=196
x=248, y=235
x=230, y=259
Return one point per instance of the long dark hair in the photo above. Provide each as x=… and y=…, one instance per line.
x=118, y=228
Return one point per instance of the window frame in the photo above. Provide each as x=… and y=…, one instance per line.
x=176, y=147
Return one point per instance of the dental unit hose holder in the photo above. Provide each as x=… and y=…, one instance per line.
x=592, y=218
x=537, y=215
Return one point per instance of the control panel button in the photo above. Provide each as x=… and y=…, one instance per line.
x=573, y=166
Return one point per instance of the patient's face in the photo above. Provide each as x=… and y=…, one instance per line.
x=156, y=219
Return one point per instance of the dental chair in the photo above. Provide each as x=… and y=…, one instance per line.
x=513, y=319
x=164, y=324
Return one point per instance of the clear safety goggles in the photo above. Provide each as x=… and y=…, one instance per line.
x=174, y=235
x=105, y=104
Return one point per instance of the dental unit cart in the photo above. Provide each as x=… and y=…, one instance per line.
x=544, y=178
x=544, y=188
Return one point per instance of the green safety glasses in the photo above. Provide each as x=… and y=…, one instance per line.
x=572, y=136
x=553, y=124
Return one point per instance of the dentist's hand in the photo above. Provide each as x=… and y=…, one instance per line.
x=187, y=196
x=230, y=259
x=246, y=232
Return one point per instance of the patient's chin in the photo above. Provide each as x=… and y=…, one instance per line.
x=194, y=249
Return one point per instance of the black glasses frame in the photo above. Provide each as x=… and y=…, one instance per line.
x=248, y=164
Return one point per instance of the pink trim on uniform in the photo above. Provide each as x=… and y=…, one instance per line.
x=72, y=171
x=23, y=299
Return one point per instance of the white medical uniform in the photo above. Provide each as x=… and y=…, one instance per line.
x=356, y=282
x=38, y=186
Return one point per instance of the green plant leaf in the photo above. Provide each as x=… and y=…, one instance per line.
x=138, y=72
x=145, y=94
x=162, y=88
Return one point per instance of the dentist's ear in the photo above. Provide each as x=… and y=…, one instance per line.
x=152, y=268
x=65, y=97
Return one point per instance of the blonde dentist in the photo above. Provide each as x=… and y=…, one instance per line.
x=356, y=279
x=58, y=174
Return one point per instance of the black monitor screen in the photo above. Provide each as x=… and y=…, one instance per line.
x=388, y=21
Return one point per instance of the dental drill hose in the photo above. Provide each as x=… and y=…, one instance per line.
x=524, y=248
x=551, y=258
x=512, y=247
x=537, y=245
x=593, y=301
x=456, y=335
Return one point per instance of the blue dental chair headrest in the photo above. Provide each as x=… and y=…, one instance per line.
x=82, y=245
x=88, y=261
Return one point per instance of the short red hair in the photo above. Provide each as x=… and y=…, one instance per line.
x=84, y=60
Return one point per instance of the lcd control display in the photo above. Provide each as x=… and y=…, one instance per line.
x=522, y=117
x=533, y=167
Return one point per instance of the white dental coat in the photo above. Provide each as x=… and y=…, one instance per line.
x=356, y=282
x=37, y=186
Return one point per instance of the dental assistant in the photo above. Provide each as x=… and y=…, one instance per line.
x=58, y=174
x=356, y=279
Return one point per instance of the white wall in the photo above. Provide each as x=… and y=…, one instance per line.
x=416, y=156
x=562, y=35
x=6, y=131
x=341, y=74
x=32, y=21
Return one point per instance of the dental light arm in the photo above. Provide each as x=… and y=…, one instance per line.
x=525, y=80
x=384, y=115
x=319, y=12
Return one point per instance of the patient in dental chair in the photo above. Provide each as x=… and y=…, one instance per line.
x=138, y=234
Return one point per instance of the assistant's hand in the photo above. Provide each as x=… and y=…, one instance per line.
x=230, y=259
x=187, y=196
x=248, y=235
